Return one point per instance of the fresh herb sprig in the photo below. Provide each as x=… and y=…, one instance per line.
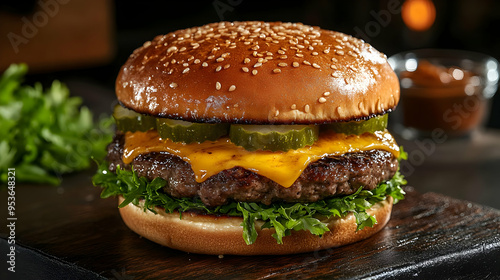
x=46, y=133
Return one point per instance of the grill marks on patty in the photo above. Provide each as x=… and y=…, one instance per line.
x=330, y=176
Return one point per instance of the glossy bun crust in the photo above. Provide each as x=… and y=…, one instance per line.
x=208, y=234
x=257, y=72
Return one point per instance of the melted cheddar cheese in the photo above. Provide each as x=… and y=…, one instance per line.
x=211, y=157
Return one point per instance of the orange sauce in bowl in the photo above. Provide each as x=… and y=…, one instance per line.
x=435, y=96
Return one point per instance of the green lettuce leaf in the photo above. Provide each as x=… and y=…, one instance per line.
x=46, y=133
x=282, y=217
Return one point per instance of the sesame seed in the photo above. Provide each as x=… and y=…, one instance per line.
x=300, y=46
x=334, y=59
x=338, y=47
x=316, y=66
x=295, y=64
x=258, y=64
x=260, y=60
x=276, y=113
x=218, y=86
x=314, y=53
x=196, y=61
x=277, y=70
x=339, y=111
x=333, y=67
x=204, y=64
x=173, y=61
x=227, y=66
x=307, y=109
x=235, y=105
x=185, y=64
x=246, y=60
x=281, y=52
x=220, y=59
x=245, y=69
x=293, y=107
x=218, y=68
x=254, y=72
x=283, y=57
x=173, y=85
x=306, y=62
x=211, y=57
x=326, y=93
x=339, y=52
x=311, y=48
x=335, y=75
x=232, y=88
x=282, y=64
x=299, y=55
x=182, y=49
x=172, y=49
x=185, y=70
x=322, y=100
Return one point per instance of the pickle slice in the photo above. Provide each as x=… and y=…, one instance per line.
x=188, y=132
x=273, y=137
x=129, y=120
x=359, y=127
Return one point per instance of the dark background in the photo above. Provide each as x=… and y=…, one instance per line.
x=467, y=25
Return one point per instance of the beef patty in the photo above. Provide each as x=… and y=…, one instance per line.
x=329, y=176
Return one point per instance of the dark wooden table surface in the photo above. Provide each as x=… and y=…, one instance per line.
x=68, y=232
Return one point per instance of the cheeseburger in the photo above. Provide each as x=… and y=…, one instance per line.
x=252, y=138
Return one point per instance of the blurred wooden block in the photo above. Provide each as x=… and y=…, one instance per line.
x=58, y=35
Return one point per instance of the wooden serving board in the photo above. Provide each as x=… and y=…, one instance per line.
x=68, y=232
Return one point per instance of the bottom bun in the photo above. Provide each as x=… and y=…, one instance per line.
x=221, y=235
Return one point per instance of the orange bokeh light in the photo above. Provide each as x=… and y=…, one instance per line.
x=418, y=15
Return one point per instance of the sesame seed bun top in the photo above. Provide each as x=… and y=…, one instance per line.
x=258, y=72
